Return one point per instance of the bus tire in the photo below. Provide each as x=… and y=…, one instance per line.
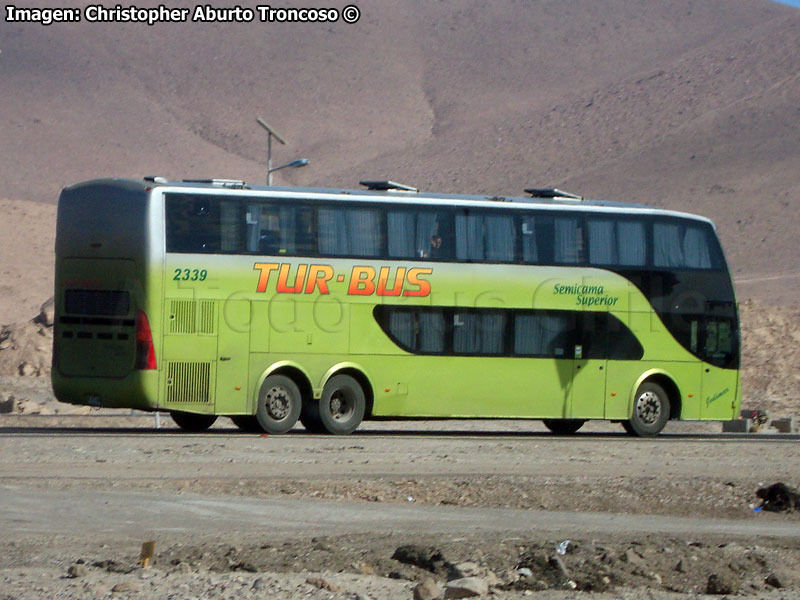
x=279, y=404
x=192, y=422
x=626, y=425
x=247, y=423
x=342, y=405
x=309, y=417
x=563, y=426
x=650, y=410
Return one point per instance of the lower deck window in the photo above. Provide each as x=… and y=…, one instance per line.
x=509, y=332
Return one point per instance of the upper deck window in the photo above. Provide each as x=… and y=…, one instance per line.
x=419, y=233
x=617, y=242
x=201, y=223
x=346, y=231
x=549, y=239
x=297, y=227
x=485, y=237
x=681, y=244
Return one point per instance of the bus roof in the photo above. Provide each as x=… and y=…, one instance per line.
x=238, y=187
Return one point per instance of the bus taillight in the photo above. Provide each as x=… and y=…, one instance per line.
x=145, y=351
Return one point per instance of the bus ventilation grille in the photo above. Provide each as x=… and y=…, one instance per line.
x=188, y=382
x=192, y=316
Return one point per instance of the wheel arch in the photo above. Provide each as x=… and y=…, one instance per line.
x=666, y=381
x=293, y=371
x=358, y=373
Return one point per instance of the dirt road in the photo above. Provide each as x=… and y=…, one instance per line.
x=227, y=509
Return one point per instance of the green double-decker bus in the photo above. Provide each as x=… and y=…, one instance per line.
x=272, y=305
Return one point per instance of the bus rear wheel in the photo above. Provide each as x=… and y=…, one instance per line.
x=247, y=423
x=650, y=410
x=342, y=405
x=279, y=404
x=192, y=422
x=309, y=417
x=563, y=426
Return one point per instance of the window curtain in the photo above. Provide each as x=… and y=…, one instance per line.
x=476, y=333
x=363, y=232
x=469, y=237
x=500, y=238
x=288, y=221
x=253, y=220
x=602, y=242
x=431, y=331
x=566, y=240
x=529, y=251
x=332, y=232
x=401, y=234
x=466, y=333
x=616, y=242
x=695, y=247
x=229, y=235
x=355, y=232
x=426, y=229
x=494, y=326
x=542, y=335
x=631, y=243
x=401, y=324
x=667, y=245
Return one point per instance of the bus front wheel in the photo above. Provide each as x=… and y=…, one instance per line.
x=192, y=422
x=563, y=426
x=342, y=405
x=650, y=410
x=279, y=404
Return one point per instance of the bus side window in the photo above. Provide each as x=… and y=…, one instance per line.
x=347, y=231
x=485, y=237
x=551, y=240
x=414, y=233
x=550, y=334
x=202, y=224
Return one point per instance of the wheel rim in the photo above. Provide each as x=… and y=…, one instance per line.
x=278, y=403
x=648, y=408
x=341, y=406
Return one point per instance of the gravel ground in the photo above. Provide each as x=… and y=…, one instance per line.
x=465, y=473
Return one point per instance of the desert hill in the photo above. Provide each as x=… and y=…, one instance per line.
x=692, y=105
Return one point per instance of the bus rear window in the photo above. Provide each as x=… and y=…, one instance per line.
x=97, y=302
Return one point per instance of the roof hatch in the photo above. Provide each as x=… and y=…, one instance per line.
x=385, y=185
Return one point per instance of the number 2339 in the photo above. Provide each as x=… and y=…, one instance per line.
x=190, y=275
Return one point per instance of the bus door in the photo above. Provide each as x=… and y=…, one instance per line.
x=720, y=382
x=233, y=352
x=587, y=397
x=587, y=400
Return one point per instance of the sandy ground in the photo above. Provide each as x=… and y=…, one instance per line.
x=27, y=259
x=374, y=514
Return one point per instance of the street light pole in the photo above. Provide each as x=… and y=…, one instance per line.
x=270, y=132
x=300, y=162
